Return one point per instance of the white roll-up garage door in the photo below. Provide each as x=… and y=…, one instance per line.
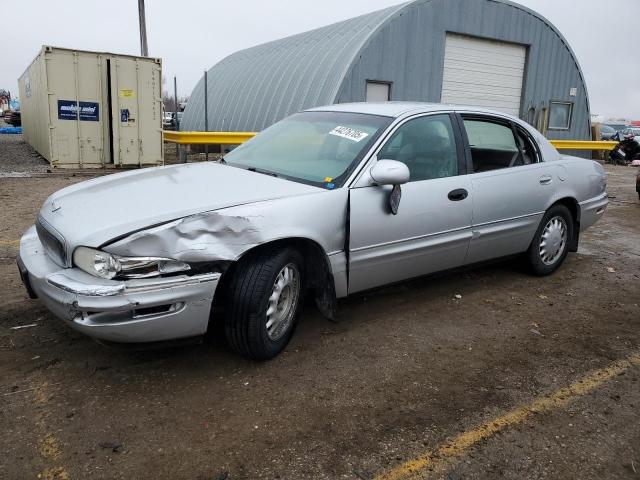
x=484, y=73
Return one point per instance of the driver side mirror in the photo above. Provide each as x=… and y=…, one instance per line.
x=391, y=172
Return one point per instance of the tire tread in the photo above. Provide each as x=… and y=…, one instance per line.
x=246, y=298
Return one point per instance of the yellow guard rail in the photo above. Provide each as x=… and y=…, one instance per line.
x=207, y=138
x=236, y=138
x=582, y=145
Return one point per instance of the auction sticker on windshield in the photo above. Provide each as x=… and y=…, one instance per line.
x=350, y=133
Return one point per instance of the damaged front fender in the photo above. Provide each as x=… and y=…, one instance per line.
x=228, y=233
x=315, y=223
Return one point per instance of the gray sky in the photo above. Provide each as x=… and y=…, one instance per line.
x=192, y=35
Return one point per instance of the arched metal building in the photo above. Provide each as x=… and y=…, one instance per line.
x=491, y=53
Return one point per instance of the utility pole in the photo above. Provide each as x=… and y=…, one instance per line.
x=144, y=50
x=206, y=115
x=182, y=153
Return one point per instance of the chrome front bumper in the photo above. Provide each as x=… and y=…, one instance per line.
x=132, y=311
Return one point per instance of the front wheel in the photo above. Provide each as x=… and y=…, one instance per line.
x=550, y=244
x=265, y=300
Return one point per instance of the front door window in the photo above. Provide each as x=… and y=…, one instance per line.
x=426, y=145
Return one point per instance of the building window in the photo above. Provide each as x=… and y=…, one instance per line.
x=560, y=115
x=378, y=91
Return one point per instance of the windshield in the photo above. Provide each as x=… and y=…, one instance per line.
x=319, y=148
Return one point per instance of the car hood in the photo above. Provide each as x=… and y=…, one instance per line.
x=97, y=211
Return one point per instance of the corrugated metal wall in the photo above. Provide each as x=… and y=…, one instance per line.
x=254, y=88
x=408, y=50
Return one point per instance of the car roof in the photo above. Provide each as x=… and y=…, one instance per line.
x=398, y=109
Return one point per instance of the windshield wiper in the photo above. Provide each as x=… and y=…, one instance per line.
x=265, y=172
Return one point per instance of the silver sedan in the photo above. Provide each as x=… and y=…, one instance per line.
x=323, y=204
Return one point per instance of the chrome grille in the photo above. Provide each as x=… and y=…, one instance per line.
x=52, y=241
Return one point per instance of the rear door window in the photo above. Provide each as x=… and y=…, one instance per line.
x=493, y=145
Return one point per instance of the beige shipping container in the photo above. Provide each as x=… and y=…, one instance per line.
x=87, y=109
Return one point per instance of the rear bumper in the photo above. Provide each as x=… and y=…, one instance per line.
x=134, y=311
x=591, y=210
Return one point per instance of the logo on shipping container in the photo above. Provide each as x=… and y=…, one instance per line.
x=68, y=110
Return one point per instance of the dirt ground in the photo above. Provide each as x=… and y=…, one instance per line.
x=404, y=370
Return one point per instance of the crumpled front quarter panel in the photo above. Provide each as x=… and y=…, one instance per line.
x=228, y=233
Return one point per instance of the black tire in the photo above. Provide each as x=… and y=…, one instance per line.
x=545, y=265
x=249, y=299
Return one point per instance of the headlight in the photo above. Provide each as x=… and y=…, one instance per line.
x=108, y=265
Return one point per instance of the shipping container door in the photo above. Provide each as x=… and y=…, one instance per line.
x=124, y=99
x=90, y=96
x=150, y=112
x=136, y=111
x=484, y=73
x=74, y=82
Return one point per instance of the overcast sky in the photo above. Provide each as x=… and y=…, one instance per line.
x=191, y=35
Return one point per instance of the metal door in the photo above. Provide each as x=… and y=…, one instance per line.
x=482, y=72
x=76, y=112
x=136, y=111
x=124, y=98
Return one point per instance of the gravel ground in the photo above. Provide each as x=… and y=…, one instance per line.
x=18, y=158
x=405, y=369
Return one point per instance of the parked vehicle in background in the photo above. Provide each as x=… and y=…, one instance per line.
x=169, y=120
x=166, y=118
x=618, y=126
x=330, y=202
x=626, y=132
x=14, y=118
x=626, y=151
x=606, y=132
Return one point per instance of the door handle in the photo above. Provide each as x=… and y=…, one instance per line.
x=458, y=194
x=545, y=179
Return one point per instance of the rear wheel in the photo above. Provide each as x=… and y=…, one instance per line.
x=550, y=244
x=265, y=300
